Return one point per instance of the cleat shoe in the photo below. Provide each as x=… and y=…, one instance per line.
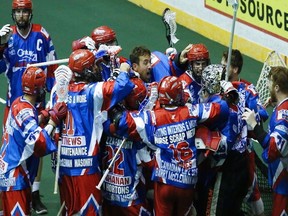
x=37, y=205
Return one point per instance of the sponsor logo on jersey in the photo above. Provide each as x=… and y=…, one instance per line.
x=282, y=114
x=74, y=141
x=3, y=165
x=27, y=55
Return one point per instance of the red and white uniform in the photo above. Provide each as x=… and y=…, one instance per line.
x=24, y=141
x=171, y=132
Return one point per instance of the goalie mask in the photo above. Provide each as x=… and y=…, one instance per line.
x=83, y=64
x=211, y=77
x=137, y=96
x=170, y=91
x=33, y=82
x=104, y=35
x=21, y=9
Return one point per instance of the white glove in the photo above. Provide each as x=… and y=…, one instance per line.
x=103, y=47
x=5, y=34
x=170, y=52
x=226, y=86
x=114, y=50
x=250, y=117
x=89, y=42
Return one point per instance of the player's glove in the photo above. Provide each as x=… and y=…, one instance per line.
x=88, y=42
x=44, y=116
x=114, y=74
x=58, y=112
x=5, y=34
x=114, y=115
x=230, y=94
x=171, y=52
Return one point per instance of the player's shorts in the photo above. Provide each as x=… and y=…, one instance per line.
x=80, y=194
x=280, y=205
x=17, y=202
x=172, y=201
x=137, y=210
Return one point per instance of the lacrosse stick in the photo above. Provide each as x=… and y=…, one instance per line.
x=63, y=75
x=47, y=63
x=168, y=18
x=61, y=209
x=234, y=4
x=110, y=165
x=2, y=101
x=113, y=52
x=273, y=59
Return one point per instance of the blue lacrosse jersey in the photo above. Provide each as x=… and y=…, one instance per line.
x=162, y=65
x=83, y=127
x=36, y=47
x=191, y=87
x=23, y=142
x=125, y=183
x=276, y=149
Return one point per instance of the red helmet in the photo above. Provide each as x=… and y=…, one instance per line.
x=33, y=81
x=138, y=94
x=22, y=4
x=80, y=60
x=198, y=52
x=103, y=35
x=170, y=91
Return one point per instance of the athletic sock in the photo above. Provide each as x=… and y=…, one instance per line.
x=36, y=186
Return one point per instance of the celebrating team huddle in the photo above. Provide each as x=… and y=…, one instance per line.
x=151, y=134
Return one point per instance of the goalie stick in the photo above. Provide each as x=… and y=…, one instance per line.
x=169, y=20
x=234, y=4
x=63, y=75
x=272, y=59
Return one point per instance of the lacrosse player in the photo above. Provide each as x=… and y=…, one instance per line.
x=274, y=143
x=103, y=38
x=24, y=141
x=88, y=101
x=249, y=98
x=197, y=58
x=22, y=44
x=223, y=176
x=124, y=188
x=169, y=130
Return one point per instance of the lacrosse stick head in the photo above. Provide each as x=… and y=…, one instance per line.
x=169, y=20
x=63, y=75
